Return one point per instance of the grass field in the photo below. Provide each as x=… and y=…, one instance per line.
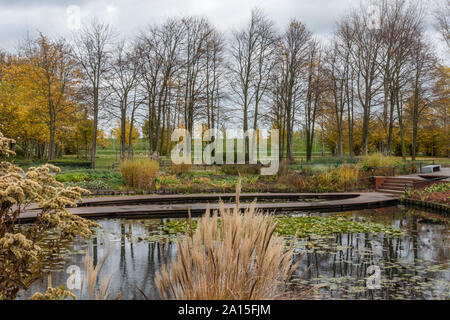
x=111, y=155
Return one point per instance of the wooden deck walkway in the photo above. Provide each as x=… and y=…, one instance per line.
x=179, y=205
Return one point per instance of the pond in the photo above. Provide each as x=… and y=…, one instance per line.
x=415, y=265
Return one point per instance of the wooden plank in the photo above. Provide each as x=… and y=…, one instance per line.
x=363, y=200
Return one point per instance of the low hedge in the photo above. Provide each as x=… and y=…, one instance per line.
x=70, y=163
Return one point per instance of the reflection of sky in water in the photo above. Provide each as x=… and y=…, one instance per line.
x=415, y=266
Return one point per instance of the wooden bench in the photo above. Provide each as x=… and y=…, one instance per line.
x=115, y=165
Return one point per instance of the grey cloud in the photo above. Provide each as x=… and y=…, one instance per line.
x=37, y=3
x=130, y=16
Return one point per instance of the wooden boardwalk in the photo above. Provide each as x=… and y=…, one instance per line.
x=180, y=205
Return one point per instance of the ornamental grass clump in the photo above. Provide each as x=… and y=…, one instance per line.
x=333, y=180
x=139, y=173
x=378, y=160
x=181, y=168
x=238, y=258
x=346, y=173
x=21, y=254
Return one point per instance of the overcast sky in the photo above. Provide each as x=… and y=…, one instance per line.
x=130, y=16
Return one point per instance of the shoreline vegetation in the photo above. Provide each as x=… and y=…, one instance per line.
x=145, y=176
x=435, y=197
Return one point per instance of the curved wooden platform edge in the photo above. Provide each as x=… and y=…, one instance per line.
x=115, y=209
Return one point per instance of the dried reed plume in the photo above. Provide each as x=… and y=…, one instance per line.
x=241, y=259
x=90, y=278
x=88, y=282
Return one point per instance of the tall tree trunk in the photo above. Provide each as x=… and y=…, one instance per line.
x=400, y=123
x=94, y=133
x=51, y=143
x=123, y=133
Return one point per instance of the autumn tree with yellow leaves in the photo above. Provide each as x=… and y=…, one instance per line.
x=39, y=99
x=51, y=76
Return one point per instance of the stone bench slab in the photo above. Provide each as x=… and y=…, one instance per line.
x=430, y=169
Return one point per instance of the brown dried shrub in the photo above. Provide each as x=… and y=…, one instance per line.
x=21, y=255
x=181, y=168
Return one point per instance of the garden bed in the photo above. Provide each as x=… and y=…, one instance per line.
x=435, y=197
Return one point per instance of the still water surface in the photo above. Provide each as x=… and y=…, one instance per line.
x=414, y=266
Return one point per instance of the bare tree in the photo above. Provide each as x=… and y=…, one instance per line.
x=337, y=68
x=214, y=73
x=442, y=15
x=344, y=48
x=160, y=50
x=92, y=53
x=293, y=55
x=315, y=89
x=182, y=73
x=365, y=53
x=125, y=70
x=252, y=54
x=423, y=62
x=401, y=24
x=197, y=33
x=152, y=66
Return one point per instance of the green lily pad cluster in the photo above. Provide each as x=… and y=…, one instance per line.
x=304, y=226
x=400, y=280
x=322, y=226
x=178, y=226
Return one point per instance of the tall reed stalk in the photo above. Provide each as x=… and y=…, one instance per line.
x=88, y=290
x=90, y=279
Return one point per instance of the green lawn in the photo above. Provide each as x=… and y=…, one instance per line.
x=110, y=155
x=76, y=172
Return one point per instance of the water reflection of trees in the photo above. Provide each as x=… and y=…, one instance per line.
x=131, y=262
x=135, y=262
x=398, y=259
